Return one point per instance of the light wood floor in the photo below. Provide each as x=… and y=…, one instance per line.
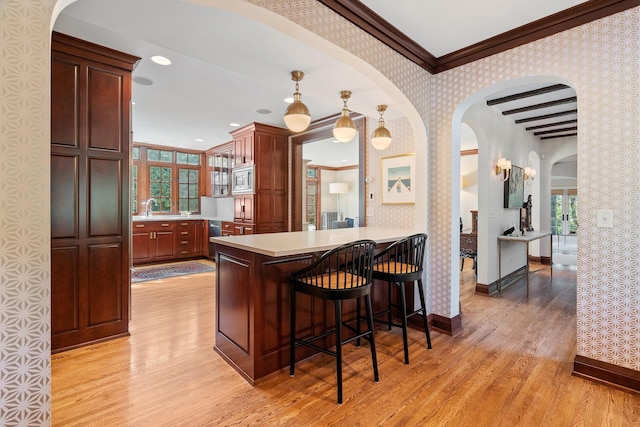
x=511, y=366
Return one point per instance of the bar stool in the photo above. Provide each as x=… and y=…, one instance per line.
x=339, y=274
x=401, y=264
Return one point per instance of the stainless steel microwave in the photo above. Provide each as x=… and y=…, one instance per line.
x=242, y=180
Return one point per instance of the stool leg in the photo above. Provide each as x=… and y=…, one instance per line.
x=338, y=308
x=403, y=306
x=424, y=313
x=358, y=320
x=374, y=359
x=292, y=336
x=389, y=286
x=462, y=264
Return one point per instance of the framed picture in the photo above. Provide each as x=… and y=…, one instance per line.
x=514, y=189
x=398, y=179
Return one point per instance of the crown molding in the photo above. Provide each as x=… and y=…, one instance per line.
x=363, y=17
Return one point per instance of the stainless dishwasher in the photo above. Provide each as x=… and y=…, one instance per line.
x=215, y=230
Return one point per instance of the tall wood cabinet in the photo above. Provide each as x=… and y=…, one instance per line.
x=264, y=147
x=90, y=206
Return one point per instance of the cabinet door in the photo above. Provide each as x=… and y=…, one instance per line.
x=248, y=209
x=143, y=246
x=165, y=244
x=243, y=145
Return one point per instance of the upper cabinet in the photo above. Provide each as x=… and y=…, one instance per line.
x=243, y=140
x=219, y=163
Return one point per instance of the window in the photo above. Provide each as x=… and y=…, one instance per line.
x=170, y=177
x=188, y=185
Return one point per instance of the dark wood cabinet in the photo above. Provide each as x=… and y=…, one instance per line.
x=153, y=241
x=265, y=147
x=90, y=195
x=168, y=240
x=220, y=160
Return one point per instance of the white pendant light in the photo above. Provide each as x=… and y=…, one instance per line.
x=297, y=117
x=344, y=130
x=381, y=137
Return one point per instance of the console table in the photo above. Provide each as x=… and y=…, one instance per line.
x=526, y=239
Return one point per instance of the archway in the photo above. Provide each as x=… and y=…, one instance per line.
x=494, y=143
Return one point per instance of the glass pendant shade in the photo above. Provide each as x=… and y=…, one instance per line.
x=344, y=130
x=297, y=116
x=381, y=137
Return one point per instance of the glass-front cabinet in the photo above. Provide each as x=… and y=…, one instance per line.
x=219, y=164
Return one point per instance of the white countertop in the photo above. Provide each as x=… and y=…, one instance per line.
x=299, y=242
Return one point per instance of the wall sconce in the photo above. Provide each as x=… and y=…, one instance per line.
x=297, y=117
x=529, y=175
x=381, y=137
x=503, y=167
x=344, y=130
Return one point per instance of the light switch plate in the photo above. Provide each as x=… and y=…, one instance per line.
x=605, y=218
x=369, y=211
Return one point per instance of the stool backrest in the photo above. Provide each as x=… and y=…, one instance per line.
x=407, y=251
x=346, y=267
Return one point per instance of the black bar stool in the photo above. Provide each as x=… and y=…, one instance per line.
x=339, y=274
x=401, y=264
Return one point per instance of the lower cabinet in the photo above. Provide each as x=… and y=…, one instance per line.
x=236, y=228
x=166, y=240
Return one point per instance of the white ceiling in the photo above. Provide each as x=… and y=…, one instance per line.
x=226, y=67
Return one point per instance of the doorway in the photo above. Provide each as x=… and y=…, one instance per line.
x=564, y=225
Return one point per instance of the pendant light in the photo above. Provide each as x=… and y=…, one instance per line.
x=381, y=137
x=297, y=117
x=344, y=130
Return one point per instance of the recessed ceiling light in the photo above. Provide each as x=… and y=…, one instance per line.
x=162, y=60
x=288, y=100
x=133, y=102
x=142, y=80
x=235, y=125
x=263, y=111
x=335, y=141
x=199, y=140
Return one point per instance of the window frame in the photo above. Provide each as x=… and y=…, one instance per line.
x=144, y=177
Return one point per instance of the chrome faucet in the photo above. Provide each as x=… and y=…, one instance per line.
x=148, y=208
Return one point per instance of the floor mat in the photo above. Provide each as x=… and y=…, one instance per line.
x=145, y=274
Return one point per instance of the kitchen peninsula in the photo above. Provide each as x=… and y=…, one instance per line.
x=252, y=293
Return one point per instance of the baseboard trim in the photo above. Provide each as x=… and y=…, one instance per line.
x=449, y=326
x=508, y=280
x=616, y=376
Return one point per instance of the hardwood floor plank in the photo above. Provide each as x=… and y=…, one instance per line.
x=511, y=365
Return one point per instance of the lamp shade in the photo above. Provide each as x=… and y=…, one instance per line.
x=338, y=188
x=344, y=130
x=381, y=138
x=297, y=117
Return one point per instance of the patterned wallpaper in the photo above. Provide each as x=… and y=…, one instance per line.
x=600, y=59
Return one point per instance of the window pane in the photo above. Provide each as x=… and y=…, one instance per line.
x=154, y=189
x=154, y=173
x=165, y=205
x=153, y=154
x=183, y=175
x=135, y=153
x=183, y=190
x=194, y=205
x=193, y=191
x=181, y=158
x=166, y=174
x=166, y=156
x=194, y=159
x=193, y=176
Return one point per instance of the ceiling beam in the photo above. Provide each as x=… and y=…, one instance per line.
x=541, y=105
x=548, y=125
x=363, y=17
x=546, y=116
x=528, y=94
x=549, y=132
x=559, y=136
